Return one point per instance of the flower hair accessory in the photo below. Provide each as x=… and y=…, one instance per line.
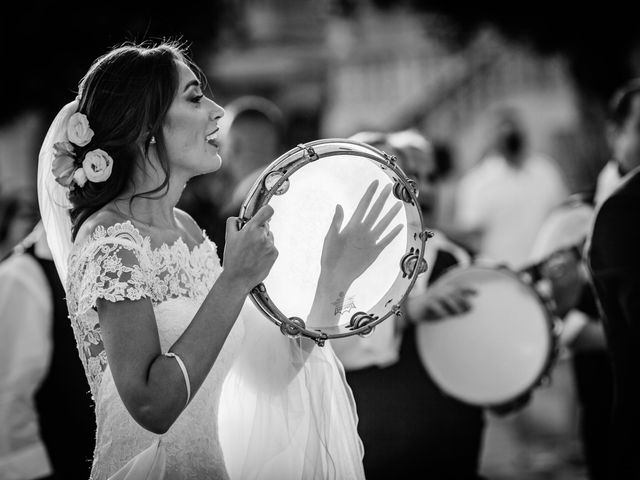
x=67, y=168
x=97, y=165
x=78, y=129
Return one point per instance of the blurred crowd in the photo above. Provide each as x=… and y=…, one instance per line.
x=513, y=209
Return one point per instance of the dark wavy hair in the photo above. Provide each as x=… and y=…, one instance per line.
x=126, y=95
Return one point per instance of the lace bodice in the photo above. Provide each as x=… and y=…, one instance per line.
x=118, y=263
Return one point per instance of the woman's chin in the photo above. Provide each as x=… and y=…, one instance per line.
x=208, y=164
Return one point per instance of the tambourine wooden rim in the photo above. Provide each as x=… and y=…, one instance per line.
x=275, y=180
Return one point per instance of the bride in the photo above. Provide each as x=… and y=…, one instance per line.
x=182, y=388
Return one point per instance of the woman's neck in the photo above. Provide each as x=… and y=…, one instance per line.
x=152, y=209
x=151, y=212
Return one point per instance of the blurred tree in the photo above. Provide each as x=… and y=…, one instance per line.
x=48, y=46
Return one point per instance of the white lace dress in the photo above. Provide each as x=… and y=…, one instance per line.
x=176, y=279
x=269, y=409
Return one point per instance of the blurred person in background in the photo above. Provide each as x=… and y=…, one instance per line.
x=500, y=205
x=608, y=179
x=583, y=332
x=408, y=425
x=614, y=266
x=583, y=342
x=47, y=426
x=251, y=134
x=444, y=155
x=617, y=167
x=502, y=201
x=559, y=248
x=18, y=216
x=253, y=129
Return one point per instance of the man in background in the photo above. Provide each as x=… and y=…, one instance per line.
x=251, y=137
x=252, y=133
x=614, y=264
x=502, y=201
x=47, y=425
x=409, y=427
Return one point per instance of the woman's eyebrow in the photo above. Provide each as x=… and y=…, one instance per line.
x=192, y=83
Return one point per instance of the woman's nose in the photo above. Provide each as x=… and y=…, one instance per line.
x=217, y=112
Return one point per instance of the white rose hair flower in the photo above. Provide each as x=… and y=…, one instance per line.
x=80, y=177
x=97, y=165
x=78, y=129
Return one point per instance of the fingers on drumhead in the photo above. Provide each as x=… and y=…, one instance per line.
x=365, y=201
x=387, y=239
x=385, y=221
x=378, y=205
x=373, y=186
x=338, y=216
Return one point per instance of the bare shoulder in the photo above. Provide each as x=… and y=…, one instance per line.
x=105, y=217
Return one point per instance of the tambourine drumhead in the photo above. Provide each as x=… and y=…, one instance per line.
x=496, y=352
x=304, y=192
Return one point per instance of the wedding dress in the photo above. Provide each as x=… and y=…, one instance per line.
x=117, y=263
x=285, y=412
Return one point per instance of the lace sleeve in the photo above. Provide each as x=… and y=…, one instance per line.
x=110, y=265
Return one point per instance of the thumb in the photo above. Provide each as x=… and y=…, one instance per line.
x=233, y=226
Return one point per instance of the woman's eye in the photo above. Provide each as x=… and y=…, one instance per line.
x=197, y=99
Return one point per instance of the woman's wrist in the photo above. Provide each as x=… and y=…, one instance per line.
x=331, y=286
x=233, y=284
x=326, y=307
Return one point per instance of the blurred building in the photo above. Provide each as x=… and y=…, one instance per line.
x=338, y=66
x=275, y=49
x=337, y=71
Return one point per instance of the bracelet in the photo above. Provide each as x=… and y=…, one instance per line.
x=184, y=373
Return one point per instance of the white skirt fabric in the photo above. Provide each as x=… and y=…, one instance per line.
x=286, y=410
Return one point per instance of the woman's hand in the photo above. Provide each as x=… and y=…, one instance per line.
x=250, y=252
x=348, y=253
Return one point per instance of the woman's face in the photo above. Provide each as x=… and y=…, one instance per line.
x=191, y=126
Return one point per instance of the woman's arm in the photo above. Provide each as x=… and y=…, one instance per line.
x=151, y=385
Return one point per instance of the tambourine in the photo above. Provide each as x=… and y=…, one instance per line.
x=498, y=352
x=303, y=186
